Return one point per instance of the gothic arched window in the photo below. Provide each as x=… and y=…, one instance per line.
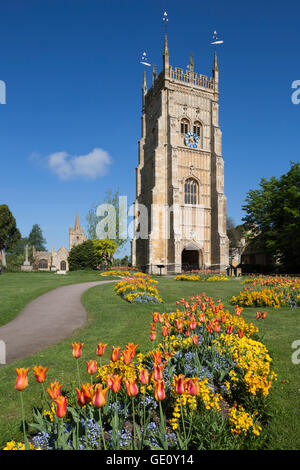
x=191, y=191
x=43, y=264
x=197, y=129
x=184, y=126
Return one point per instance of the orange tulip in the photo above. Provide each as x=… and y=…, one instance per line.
x=156, y=356
x=159, y=390
x=84, y=396
x=179, y=384
x=192, y=386
x=99, y=396
x=144, y=376
x=209, y=327
x=132, y=348
x=91, y=367
x=195, y=339
x=153, y=336
x=229, y=329
x=115, y=354
x=131, y=387
x=258, y=314
x=201, y=318
x=40, y=373
x=179, y=325
x=54, y=390
x=153, y=327
x=238, y=310
x=157, y=373
x=217, y=327
x=115, y=383
x=240, y=333
x=22, y=379
x=127, y=356
x=77, y=349
x=165, y=331
x=101, y=349
x=61, y=410
x=263, y=315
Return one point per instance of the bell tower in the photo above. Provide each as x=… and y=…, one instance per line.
x=180, y=207
x=76, y=234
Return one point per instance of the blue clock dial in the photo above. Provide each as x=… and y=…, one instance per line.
x=191, y=140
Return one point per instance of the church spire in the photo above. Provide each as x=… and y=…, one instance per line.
x=216, y=67
x=154, y=74
x=166, y=55
x=191, y=66
x=77, y=227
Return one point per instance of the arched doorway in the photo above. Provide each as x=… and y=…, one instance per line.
x=190, y=260
x=63, y=266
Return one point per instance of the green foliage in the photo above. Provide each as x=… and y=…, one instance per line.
x=273, y=218
x=9, y=233
x=36, y=238
x=91, y=253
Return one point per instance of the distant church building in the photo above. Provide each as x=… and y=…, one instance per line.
x=76, y=234
x=180, y=173
x=58, y=260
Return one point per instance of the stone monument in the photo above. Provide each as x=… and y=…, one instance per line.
x=26, y=265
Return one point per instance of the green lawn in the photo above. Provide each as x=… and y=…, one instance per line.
x=113, y=321
x=18, y=289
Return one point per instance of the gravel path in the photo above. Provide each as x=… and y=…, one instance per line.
x=46, y=320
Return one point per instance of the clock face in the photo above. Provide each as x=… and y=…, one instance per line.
x=191, y=140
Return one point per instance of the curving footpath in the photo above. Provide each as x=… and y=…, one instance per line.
x=46, y=320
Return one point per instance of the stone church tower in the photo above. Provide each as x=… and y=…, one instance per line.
x=76, y=234
x=180, y=207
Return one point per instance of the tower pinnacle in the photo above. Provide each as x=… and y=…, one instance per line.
x=166, y=55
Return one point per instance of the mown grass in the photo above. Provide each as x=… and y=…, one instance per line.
x=113, y=321
x=18, y=289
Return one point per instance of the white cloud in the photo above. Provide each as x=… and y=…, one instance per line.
x=91, y=166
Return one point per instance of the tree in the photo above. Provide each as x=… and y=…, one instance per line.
x=273, y=218
x=112, y=198
x=9, y=233
x=91, y=254
x=234, y=233
x=36, y=238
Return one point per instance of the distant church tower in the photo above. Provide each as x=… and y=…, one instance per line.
x=76, y=234
x=180, y=168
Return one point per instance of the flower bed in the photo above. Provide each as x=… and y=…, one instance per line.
x=203, y=386
x=138, y=288
x=285, y=293
x=200, y=278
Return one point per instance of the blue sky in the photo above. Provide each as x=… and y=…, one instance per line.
x=73, y=83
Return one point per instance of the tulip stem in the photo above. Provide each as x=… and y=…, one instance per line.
x=78, y=373
x=102, y=431
x=182, y=419
x=23, y=421
x=133, y=418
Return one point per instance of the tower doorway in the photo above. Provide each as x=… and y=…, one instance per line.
x=190, y=260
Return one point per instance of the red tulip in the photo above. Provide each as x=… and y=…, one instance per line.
x=240, y=333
